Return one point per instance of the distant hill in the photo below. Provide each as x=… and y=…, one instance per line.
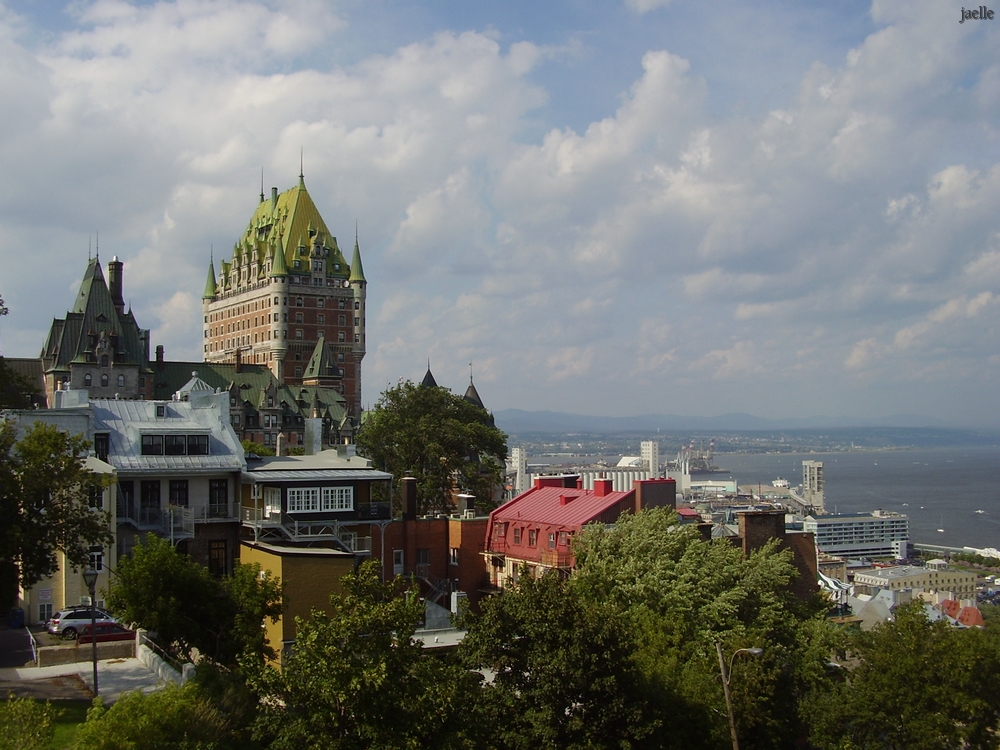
x=519, y=422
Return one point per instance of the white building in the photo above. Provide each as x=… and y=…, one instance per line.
x=812, y=484
x=877, y=534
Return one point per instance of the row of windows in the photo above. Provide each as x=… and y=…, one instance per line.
x=561, y=538
x=175, y=445
x=316, y=499
x=150, y=492
x=88, y=380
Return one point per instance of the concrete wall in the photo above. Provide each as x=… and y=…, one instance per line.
x=49, y=656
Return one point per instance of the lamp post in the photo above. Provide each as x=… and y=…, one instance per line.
x=90, y=578
x=726, y=674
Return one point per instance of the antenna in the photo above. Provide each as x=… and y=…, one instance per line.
x=301, y=152
x=89, y=241
x=97, y=245
x=470, y=372
x=262, y=184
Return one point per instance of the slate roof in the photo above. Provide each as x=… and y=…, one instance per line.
x=94, y=313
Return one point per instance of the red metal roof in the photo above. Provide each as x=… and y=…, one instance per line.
x=542, y=505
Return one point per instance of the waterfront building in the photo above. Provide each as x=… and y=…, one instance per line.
x=876, y=534
x=812, y=485
x=286, y=289
x=958, y=583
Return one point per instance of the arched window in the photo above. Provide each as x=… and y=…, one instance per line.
x=104, y=380
x=104, y=360
x=87, y=380
x=121, y=381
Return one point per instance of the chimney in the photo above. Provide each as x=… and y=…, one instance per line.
x=115, y=284
x=758, y=527
x=238, y=360
x=655, y=493
x=279, y=445
x=563, y=499
x=602, y=487
x=314, y=436
x=409, y=498
x=274, y=197
x=160, y=365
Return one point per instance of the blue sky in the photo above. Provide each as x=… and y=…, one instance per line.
x=781, y=208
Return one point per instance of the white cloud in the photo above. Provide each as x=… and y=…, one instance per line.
x=668, y=245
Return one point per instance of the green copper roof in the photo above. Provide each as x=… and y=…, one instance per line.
x=95, y=325
x=210, y=288
x=357, y=272
x=288, y=225
x=323, y=363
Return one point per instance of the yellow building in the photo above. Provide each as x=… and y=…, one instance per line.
x=309, y=575
x=959, y=583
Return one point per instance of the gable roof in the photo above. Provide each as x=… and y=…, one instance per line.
x=559, y=506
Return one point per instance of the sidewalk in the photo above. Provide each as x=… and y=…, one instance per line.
x=114, y=677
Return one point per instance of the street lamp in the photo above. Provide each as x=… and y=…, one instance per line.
x=90, y=578
x=726, y=674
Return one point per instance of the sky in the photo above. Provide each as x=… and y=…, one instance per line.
x=613, y=208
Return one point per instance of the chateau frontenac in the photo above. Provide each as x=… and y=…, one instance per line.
x=289, y=300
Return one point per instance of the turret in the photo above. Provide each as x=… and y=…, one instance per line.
x=358, y=284
x=115, y=282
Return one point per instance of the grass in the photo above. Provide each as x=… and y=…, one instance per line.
x=71, y=714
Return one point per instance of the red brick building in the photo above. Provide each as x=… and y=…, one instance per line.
x=536, y=528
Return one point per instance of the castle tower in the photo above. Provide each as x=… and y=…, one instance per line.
x=286, y=288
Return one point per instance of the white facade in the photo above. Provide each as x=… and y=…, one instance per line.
x=878, y=534
x=649, y=451
x=812, y=484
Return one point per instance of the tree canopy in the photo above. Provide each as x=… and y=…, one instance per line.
x=46, y=495
x=356, y=678
x=442, y=440
x=164, y=591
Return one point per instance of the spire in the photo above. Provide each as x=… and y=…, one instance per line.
x=262, y=184
x=357, y=271
x=429, y=380
x=210, y=288
x=302, y=179
x=279, y=267
x=472, y=395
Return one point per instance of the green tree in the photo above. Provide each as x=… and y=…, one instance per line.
x=174, y=717
x=564, y=674
x=45, y=503
x=918, y=685
x=166, y=592
x=356, y=678
x=681, y=595
x=439, y=438
x=249, y=446
x=26, y=724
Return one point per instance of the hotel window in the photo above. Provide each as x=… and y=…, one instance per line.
x=552, y=540
x=179, y=492
x=321, y=319
x=298, y=334
x=218, y=497
x=340, y=338
x=104, y=380
x=341, y=320
x=298, y=317
x=532, y=537
x=338, y=498
x=197, y=445
x=298, y=302
x=340, y=356
x=88, y=380
x=320, y=303
x=104, y=360
x=340, y=304
x=563, y=538
x=121, y=381
x=517, y=535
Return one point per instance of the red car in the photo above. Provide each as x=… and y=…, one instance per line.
x=105, y=631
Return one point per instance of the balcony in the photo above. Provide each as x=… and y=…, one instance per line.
x=554, y=559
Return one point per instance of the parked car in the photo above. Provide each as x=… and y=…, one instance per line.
x=68, y=622
x=105, y=631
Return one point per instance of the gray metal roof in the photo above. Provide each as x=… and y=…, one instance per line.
x=259, y=477
x=126, y=421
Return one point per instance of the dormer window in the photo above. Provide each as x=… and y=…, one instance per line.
x=152, y=445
